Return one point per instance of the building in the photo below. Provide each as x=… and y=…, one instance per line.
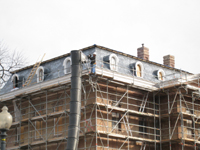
x=129, y=103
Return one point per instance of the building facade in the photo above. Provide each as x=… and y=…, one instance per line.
x=128, y=103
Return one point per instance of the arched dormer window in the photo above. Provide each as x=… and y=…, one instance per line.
x=67, y=65
x=139, y=69
x=15, y=81
x=113, y=62
x=161, y=75
x=40, y=74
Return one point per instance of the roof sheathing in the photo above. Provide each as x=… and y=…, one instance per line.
x=104, y=48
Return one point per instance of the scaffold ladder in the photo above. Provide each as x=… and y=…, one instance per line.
x=32, y=73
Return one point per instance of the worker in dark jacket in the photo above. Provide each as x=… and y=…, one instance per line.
x=93, y=61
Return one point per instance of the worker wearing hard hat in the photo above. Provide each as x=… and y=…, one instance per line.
x=93, y=62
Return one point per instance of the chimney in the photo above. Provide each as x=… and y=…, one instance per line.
x=168, y=60
x=143, y=52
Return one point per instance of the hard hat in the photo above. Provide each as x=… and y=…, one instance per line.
x=94, y=53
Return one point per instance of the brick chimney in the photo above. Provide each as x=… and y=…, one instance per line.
x=143, y=52
x=168, y=60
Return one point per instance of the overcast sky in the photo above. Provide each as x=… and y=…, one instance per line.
x=56, y=27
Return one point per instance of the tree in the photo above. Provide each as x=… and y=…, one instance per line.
x=9, y=61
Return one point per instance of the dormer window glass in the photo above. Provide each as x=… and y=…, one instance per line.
x=67, y=65
x=40, y=74
x=139, y=69
x=15, y=80
x=161, y=75
x=113, y=62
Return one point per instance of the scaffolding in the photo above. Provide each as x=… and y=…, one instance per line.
x=115, y=115
x=180, y=116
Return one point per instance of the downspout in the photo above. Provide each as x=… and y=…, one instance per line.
x=75, y=103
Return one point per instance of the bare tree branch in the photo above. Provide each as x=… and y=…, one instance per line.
x=9, y=61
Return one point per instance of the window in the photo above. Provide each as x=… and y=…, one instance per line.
x=58, y=122
x=38, y=131
x=113, y=62
x=189, y=128
x=114, y=101
x=40, y=74
x=139, y=69
x=67, y=65
x=15, y=80
x=161, y=75
x=115, y=120
x=58, y=126
x=142, y=125
x=40, y=110
x=20, y=135
x=189, y=111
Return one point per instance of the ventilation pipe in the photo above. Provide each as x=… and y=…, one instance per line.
x=75, y=103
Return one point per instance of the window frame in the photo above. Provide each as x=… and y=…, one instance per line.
x=15, y=80
x=38, y=74
x=142, y=69
x=142, y=126
x=116, y=62
x=38, y=129
x=65, y=65
x=189, y=128
x=20, y=135
x=115, y=121
x=58, y=120
x=160, y=71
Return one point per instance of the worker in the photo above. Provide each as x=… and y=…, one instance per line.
x=93, y=62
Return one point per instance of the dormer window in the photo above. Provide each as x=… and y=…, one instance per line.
x=113, y=62
x=139, y=69
x=15, y=80
x=67, y=65
x=161, y=75
x=40, y=74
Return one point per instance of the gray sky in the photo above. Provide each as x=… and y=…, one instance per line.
x=57, y=27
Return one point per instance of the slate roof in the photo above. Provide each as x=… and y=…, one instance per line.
x=54, y=67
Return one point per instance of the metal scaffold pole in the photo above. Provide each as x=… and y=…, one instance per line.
x=182, y=132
